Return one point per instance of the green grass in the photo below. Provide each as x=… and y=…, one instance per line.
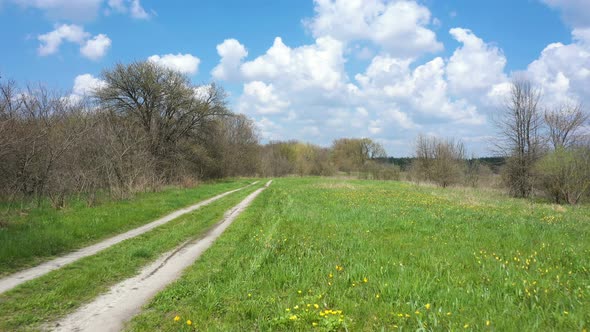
x=42, y=233
x=433, y=259
x=43, y=300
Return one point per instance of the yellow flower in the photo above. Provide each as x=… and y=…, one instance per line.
x=314, y=324
x=377, y=296
x=296, y=307
x=249, y=295
x=176, y=318
x=298, y=292
x=427, y=306
x=316, y=306
x=465, y=326
x=188, y=322
x=293, y=317
x=417, y=312
x=487, y=323
x=330, y=275
x=566, y=313
x=365, y=279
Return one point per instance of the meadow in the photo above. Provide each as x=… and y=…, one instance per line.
x=329, y=255
x=35, y=304
x=30, y=235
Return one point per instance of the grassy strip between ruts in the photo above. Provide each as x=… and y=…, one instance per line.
x=45, y=232
x=317, y=254
x=62, y=291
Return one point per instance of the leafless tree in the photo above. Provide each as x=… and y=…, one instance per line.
x=564, y=124
x=439, y=160
x=520, y=138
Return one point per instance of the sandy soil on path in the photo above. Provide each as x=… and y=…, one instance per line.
x=18, y=278
x=110, y=311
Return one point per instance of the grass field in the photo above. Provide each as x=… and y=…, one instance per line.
x=43, y=300
x=321, y=254
x=38, y=234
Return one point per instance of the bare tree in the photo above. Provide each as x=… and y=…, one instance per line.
x=564, y=124
x=520, y=136
x=438, y=160
x=164, y=104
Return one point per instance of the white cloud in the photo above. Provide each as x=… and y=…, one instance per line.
x=399, y=27
x=87, y=84
x=137, y=10
x=51, y=41
x=563, y=71
x=84, y=10
x=574, y=12
x=75, y=10
x=260, y=98
x=92, y=48
x=475, y=65
x=96, y=47
x=184, y=63
x=231, y=53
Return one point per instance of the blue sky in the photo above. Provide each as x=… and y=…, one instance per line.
x=319, y=70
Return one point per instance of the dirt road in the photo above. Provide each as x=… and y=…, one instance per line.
x=110, y=311
x=18, y=278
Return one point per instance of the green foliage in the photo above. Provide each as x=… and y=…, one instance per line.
x=564, y=174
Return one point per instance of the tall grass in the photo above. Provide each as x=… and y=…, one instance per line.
x=316, y=254
x=38, y=234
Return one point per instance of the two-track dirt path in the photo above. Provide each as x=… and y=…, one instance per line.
x=110, y=311
x=20, y=277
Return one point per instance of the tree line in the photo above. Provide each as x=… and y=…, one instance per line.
x=147, y=126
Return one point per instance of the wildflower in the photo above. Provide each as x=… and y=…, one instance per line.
x=188, y=322
x=330, y=275
x=566, y=313
x=427, y=306
x=296, y=307
x=465, y=326
x=487, y=323
x=377, y=296
x=293, y=317
x=298, y=292
x=316, y=306
x=314, y=324
x=176, y=318
x=365, y=280
x=417, y=312
x=249, y=295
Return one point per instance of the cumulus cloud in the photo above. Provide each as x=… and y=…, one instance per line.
x=575, y=12
x=475, y=65
x=84, y=85
x=563, y=70
x=231, y=53
x=96, y=47
x=92, y=48
x=261, y=98
x=184, y=63
x=399, y=27
x=51, y=41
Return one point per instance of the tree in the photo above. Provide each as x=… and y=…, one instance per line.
x=351, y=154
x=565, y=174
x=564, y=124
x=439, y=160
x=164, y=104
x=520, y=138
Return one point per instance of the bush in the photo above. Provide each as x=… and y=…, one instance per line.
x=564, y=174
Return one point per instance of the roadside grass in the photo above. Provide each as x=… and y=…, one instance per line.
x=28, y=239
x=33, y=304
x=327, y=255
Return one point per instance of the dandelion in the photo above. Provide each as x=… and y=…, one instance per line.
x=314, y=324
x=316, y=306
x=299, y=292
x=427, y=306
x=377, y=296
x=296, y=307
x=249, y=295
x=566, y=313
x=189, y=322
x=293, y=317
x=365, y=280
x=330, y=275
x=176, y=318
x=488, y=323
x=465, y=326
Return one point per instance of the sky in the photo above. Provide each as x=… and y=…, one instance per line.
x=319, y=70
